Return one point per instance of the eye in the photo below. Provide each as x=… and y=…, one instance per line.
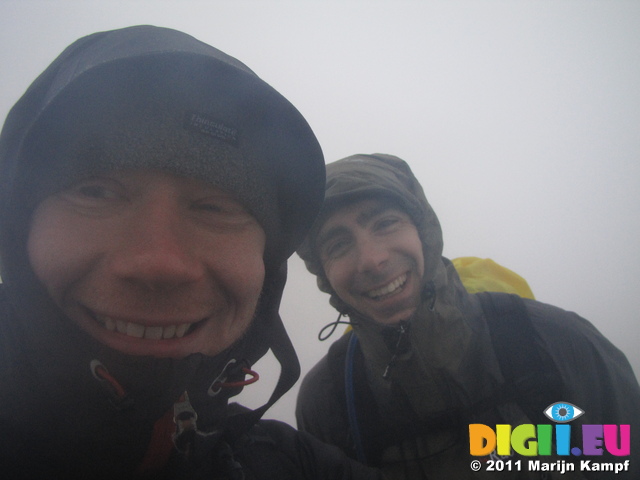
x=563, y=412
x=221, y=211
x=94, y=192
x=336, y=248
x=220, y=205
x=385, y=223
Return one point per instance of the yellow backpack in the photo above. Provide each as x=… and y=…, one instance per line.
x=485, y=275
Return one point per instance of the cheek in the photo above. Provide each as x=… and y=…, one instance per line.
x=60, y=251
x=241, y=262
x=419, y=256
x=338, y=275
x=250, y=278
x=411, y=245
x=48, y=249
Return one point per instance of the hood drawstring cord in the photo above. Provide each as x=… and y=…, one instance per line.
x=333, y=325
x=117, y=394
x=242, y=383
x=233, y=368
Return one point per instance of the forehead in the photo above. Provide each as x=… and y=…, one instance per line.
x=150, y=177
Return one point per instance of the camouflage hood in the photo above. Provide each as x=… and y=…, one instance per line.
x=381, y=176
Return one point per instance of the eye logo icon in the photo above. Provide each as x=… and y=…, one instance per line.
x=563, y=412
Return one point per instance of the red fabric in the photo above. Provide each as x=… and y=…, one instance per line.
x=160, y=446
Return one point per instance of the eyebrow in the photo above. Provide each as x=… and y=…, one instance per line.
x=333, y=232
x=362, y=219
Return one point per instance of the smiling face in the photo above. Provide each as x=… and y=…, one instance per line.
x=149, y=263
x=372, y=256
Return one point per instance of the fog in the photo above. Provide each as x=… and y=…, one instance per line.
x=521, y=120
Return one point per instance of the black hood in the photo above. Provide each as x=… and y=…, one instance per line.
x=157, y=98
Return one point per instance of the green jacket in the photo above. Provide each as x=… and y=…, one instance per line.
x=446, y=362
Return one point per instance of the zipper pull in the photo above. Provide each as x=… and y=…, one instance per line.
x=403, y=328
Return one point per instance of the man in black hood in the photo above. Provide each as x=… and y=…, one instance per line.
x=152, y=189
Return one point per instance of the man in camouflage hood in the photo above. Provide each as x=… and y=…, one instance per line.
x=423, y=360
x=152, y=189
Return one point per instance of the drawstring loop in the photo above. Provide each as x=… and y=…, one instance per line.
x=242, y=383
x=117, y=394
x=233, y=368
x=333, y=325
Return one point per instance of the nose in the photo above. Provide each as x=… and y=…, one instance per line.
x=156, y=251
x=372, y=255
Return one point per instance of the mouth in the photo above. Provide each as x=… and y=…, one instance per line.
x=150, y=332
x=389, y=289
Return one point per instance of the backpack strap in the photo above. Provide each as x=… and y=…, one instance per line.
x=531, y=378
x=350, y=384
x=350, y=397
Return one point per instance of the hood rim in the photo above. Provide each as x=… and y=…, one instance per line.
x=33, y=103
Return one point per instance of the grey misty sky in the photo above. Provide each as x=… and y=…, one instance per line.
x=521, y=120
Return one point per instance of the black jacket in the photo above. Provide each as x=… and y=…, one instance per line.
x=58, y=420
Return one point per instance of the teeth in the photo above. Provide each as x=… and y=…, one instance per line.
x=154, y=333
x=140, y=331
x=135, y=330
x=181, y=330
x=389, y=288
x=110, y=324
x=121, y=326
x=169, y=332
